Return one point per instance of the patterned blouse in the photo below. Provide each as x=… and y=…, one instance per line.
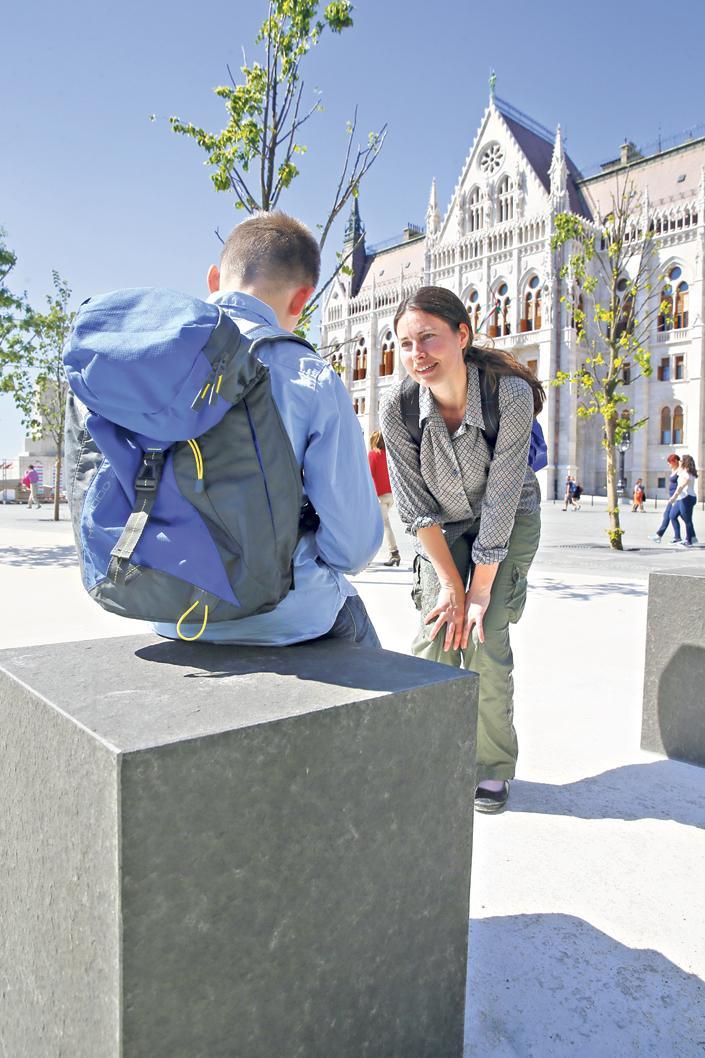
x=453, y=480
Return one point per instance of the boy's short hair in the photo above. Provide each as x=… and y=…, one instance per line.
x=272, y=249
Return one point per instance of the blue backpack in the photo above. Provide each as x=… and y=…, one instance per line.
x=185, y=493
x=489, y=398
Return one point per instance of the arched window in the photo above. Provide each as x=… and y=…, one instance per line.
x=360, y=361
x=677, y=438
x=665, y=426
x=505, y=199
x=673, y=306
x=362, y=405
x=680, y=312
x=386, y=357
x=501, y=324
x=475, y=210
x=531, y=314
x=577, y=315
x=625, y=320
x=356, y=406
x=336, y=360
x=474, y=310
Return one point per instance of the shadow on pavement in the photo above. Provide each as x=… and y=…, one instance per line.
x=564, y=590
x=554, y=986
x=39, y=556
x=666, y=790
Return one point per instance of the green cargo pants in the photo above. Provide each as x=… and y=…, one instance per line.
x=493, y=660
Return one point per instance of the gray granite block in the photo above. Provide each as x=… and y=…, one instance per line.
x=673, y=716
x=223, y=852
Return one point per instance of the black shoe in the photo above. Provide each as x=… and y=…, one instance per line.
x=393, y=560
x=491, y=800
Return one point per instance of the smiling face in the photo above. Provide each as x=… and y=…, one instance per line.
x=431, y=350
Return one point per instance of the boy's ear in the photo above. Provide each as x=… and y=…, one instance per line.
x=298, y=299
x=213, y=279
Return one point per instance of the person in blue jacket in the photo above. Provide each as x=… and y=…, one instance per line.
x=268, y=270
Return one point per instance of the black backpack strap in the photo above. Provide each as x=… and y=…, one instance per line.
x=489, y=398
x=409, y=402
x=146, y=486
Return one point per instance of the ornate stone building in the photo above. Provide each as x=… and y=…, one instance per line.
x=492, y=247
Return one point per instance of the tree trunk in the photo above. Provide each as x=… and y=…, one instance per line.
x=614, y=532
x=57, y=485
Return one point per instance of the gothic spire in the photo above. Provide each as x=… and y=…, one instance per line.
x=354, y=229
x=433, y=217
x=558, y=173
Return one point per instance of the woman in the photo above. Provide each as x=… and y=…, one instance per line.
x=683, y=499
x=638, y=496
x=473, y=506
x=377, y=457
x=673, y=463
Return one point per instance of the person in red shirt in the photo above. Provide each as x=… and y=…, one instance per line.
x=377, y=457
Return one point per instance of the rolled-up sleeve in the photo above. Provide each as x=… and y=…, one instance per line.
x=338, y=482
x=507, y=471
x=416, y=506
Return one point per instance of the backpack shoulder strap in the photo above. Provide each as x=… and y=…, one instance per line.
x=409, y=401
x=265, y=332
x=489, y=398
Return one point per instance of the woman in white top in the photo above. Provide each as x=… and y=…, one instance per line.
x=683, y=498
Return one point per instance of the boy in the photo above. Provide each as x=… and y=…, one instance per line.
x=268, y=270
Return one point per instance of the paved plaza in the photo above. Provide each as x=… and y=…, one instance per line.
x=586, y=933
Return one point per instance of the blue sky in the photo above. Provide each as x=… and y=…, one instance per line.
x=91, y=187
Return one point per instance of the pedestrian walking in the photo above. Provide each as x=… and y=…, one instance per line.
x=472, y=503
x=673, y=462
x=377, y=457
x=638, y=496
x=684, y=497
x=31, y=480
x=569, y=498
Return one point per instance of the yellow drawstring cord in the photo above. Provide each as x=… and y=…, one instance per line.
x=190, y=639
x=197, y=456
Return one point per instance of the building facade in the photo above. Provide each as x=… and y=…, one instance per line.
x=492, y=247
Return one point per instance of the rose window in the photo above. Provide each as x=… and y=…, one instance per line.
x=492, y=158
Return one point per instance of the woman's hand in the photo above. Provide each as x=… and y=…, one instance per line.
x=477, y=599
x=476, y=603
x=449, y=611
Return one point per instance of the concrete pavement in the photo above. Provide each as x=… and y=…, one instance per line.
x=586, y=912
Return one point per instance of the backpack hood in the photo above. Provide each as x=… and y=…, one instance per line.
x=140, y=357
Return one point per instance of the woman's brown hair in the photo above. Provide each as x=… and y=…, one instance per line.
x=377, y=441
x=437, y=301
x=688, y=463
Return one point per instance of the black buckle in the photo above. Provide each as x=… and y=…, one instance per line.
x=150, y=472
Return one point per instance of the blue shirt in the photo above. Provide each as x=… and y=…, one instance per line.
x=327, y=439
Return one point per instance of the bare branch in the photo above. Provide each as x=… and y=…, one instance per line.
x=279, y=186
x=363, y=161
x=289, y=95
x=308, y=310
x=267, y=96
x=298, y=122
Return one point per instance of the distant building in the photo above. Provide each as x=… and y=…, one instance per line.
x=491, y=246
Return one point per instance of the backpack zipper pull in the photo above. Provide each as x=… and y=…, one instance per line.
x=213, y=383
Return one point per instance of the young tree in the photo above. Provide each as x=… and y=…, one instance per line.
x=33, y=371
x=613, y=293
x=13, y=307
x=254, y=156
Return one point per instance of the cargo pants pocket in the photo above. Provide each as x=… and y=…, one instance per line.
x=416, y=587
x=518, y=587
